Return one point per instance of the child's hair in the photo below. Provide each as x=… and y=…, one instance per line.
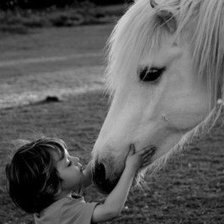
x=33, y=180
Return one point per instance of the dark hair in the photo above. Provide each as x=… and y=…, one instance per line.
x=33, y=180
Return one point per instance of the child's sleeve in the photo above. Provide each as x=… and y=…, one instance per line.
x=77, y=212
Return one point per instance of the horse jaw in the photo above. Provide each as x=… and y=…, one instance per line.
x=162, y=129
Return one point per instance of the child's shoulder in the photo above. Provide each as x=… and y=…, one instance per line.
x=70, y=209
x=60, y=207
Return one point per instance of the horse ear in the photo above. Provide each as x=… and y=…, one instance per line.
x=167, y=19
x=153, y=3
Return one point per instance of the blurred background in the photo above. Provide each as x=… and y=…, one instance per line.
x=17, y=15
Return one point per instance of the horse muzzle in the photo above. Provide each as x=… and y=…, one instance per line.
x=106, y=173
x=104, y=184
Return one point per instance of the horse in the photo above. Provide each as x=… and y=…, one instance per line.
x=165, y=82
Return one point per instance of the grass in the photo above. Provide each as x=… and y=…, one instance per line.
x=188, y=190
x=76, y=59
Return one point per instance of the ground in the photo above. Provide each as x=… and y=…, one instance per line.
x=189, y=189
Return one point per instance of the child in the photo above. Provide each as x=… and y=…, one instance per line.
x=42, y=177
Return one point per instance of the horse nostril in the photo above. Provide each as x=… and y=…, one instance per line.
x=99, y=178
x=99, y=173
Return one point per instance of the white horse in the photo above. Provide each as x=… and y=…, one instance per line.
x=165, y=75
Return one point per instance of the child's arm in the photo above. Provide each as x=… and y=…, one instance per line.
x=114, y=203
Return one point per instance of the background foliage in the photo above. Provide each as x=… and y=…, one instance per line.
x=42, y=4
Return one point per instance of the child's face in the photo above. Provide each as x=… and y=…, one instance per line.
x=71, y=173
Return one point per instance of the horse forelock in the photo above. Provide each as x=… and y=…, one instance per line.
x=135, y=35
x=138, y=31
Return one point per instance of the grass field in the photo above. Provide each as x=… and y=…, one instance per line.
x=51, y=62
x=190, y=189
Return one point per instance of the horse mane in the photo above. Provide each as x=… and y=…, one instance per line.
x=133, y=36
x=207, y=42
x=139, y=31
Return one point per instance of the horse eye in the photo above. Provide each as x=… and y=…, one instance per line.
x=151, y=74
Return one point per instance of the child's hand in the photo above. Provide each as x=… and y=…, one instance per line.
x=142, y=158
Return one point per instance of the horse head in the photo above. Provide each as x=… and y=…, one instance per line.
x=164, y=75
